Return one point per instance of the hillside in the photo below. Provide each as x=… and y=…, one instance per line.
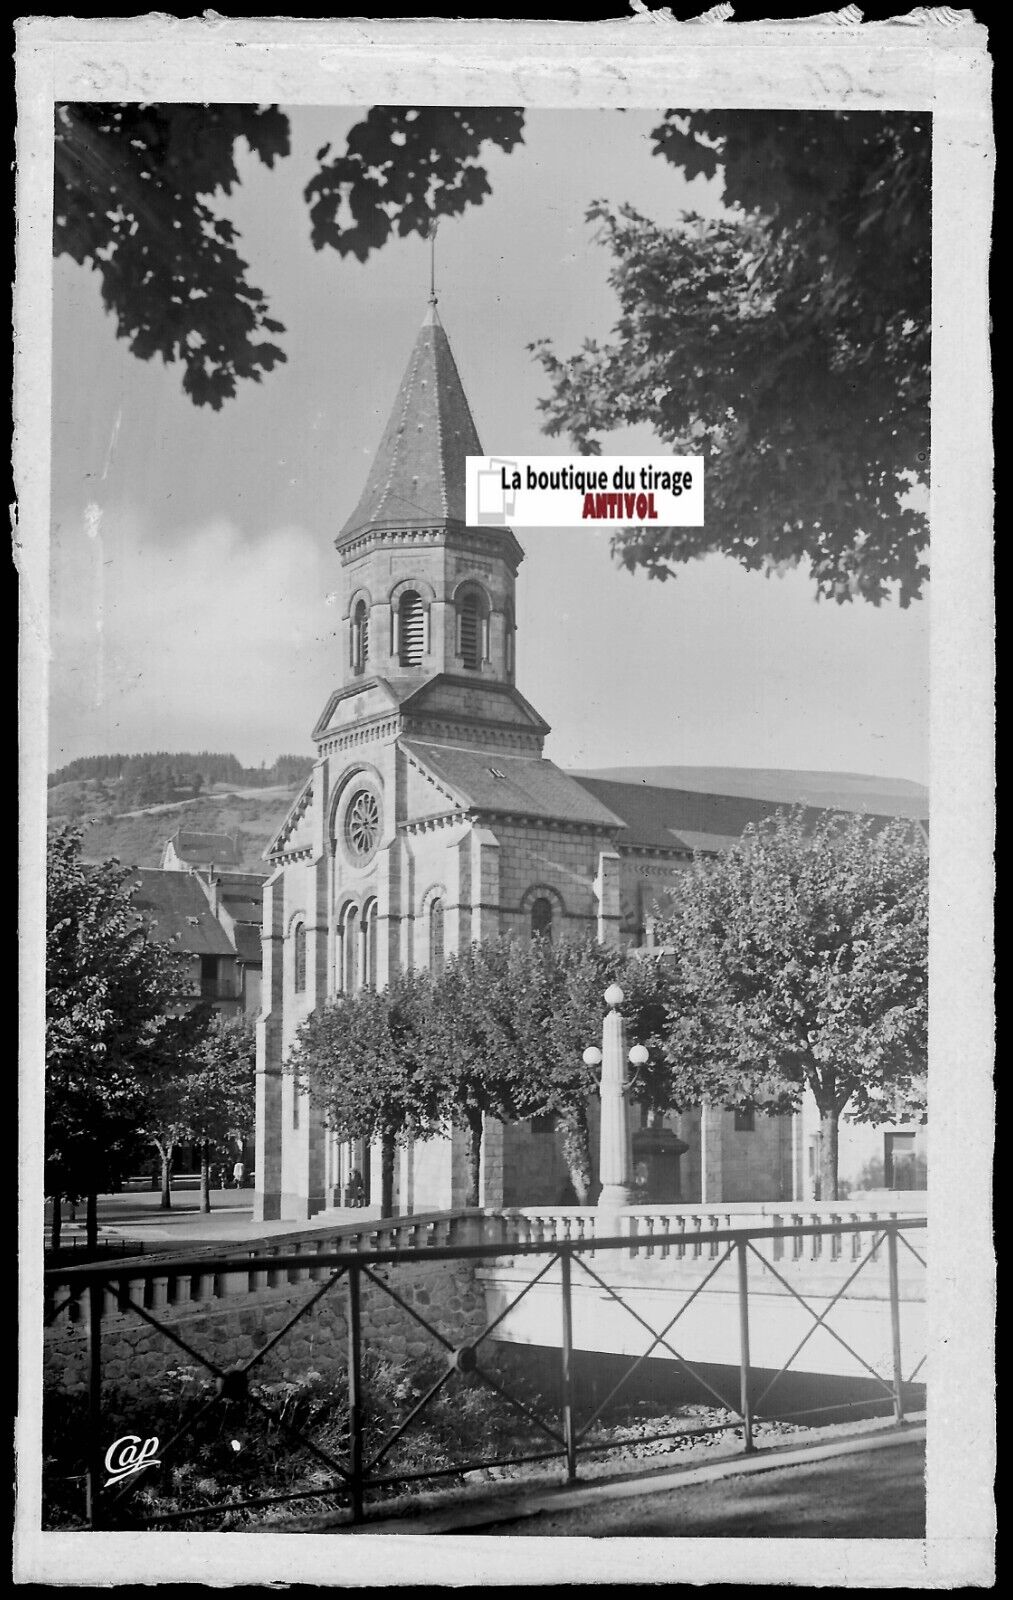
x=137, y=837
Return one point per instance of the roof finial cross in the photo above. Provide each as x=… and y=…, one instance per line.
x=432, y=260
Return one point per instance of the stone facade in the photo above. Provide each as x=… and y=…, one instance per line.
x=232, y=1332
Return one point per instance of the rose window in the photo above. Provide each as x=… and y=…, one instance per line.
x=362, y=823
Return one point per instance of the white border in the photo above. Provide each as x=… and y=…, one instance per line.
x=937, y=59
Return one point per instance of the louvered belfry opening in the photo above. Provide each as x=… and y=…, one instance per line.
x=470, y=638
x=411, y=629
x=360, y=636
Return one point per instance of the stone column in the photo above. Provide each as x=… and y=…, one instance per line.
x=607, y=893
x=267, y=1160
x=615, y=1162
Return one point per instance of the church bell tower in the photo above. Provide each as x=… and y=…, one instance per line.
x=425, y=594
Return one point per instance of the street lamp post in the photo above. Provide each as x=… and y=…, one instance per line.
x=615, y=1151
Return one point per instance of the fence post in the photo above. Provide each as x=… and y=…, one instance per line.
x=569, y=1432
x=745, y=1404
x=354, y=1392
x=96, y=1297
x=898, y=1371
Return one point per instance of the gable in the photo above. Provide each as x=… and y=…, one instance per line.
x=370, y=697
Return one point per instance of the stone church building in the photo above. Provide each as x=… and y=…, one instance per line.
x=432, y=819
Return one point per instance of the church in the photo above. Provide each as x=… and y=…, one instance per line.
x=432, y=819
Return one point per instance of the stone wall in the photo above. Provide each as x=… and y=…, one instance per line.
x=231, y=1329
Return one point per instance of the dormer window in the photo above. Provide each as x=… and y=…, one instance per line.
x=472, y=630
x=360, y=636
x=411, y=629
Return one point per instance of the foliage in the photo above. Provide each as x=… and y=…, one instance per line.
x=108, y=994
x=806, y=957
x=787, y=342
x=499, y=1033
x=133, y=186
x=464, y=1420
x=404, y=167
x=206, y=1092
x=361, y=1063
x=159, y=774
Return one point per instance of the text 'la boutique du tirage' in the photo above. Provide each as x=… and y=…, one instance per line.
x=551, y=491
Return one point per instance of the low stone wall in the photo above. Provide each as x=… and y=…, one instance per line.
x=230, y=1330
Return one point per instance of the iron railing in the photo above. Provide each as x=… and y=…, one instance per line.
x=145, y=1287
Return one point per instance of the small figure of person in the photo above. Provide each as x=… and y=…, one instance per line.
x=238, y=1174
x=355, y=1194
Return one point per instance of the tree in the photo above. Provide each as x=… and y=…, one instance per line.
x=219, y=1090
x=806, y=957
x=108, y=989
x=164, y=1120
x=136, y=198
x=788, y=342
x=475, y=1042
x=360, y=1062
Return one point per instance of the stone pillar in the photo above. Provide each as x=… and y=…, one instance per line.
x=267, y=1159
x=606, y=888
x=485, y=888
x=490, y=1175
x=711, y=1152
x=615, y=1162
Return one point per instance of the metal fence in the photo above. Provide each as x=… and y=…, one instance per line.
x=351, y=1478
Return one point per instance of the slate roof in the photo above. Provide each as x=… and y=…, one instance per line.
x=834, y=791
x=686, y=819
x=417, y=476
x=201, y=847
x=248, y=943
x=530, y=785
x=174, y=903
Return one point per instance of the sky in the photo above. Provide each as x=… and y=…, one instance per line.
x=194, y=583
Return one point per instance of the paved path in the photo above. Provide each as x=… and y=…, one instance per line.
x=867, y=1495
x=860, y=1482
x=136, y=1214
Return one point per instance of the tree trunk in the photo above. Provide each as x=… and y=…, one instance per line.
x=205, y=1178
x=91, y=1223
x=474, y=1155
x=577, y=1152
x=387, y=1148
x=828, y=1153
x=57, y=1222
x=165, y=1204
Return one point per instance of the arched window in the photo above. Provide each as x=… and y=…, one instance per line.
x=472, y=630
x=360, y=636
x=349, y=935
x=369, y=927
x=541, y=918
x=411, y=629
x=299, y=957
x=509, y=630
x=436, y=938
